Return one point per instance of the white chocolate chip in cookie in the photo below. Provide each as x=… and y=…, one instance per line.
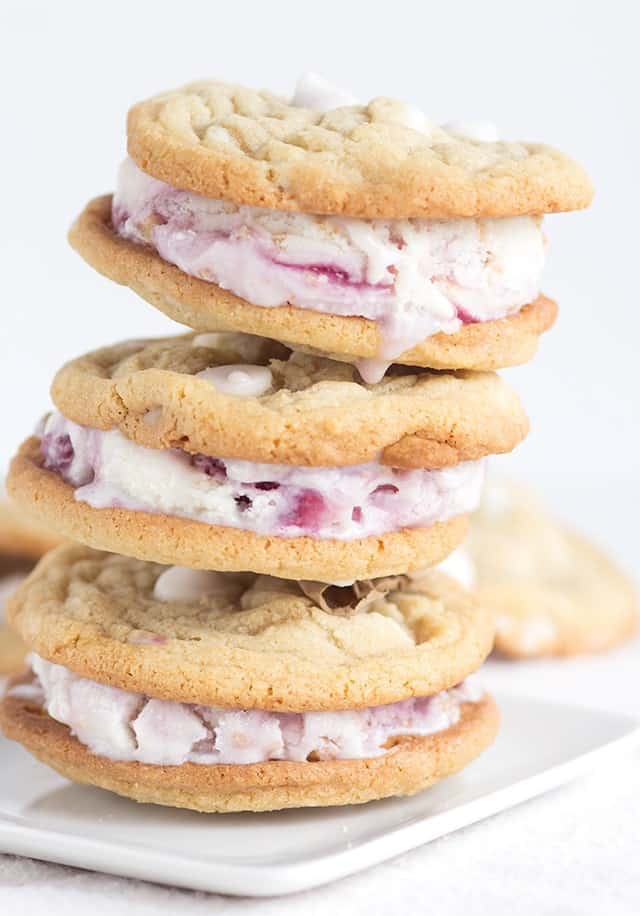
x=459, y=565
x=240, y=380
x=392, y=111
x=315, y=92
x=211, y=339
x=485, y=131
x=177, y=583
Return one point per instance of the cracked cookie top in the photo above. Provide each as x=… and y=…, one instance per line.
x=252, y=147
x=241, y=640
x=291, y=408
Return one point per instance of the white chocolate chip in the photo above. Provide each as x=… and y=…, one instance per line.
x=485, y=131
x=410, y=116
x=207, y=340
x=240, y=380
x=180, y=584
x=315, y=92
x=537, y=634
x=460, y=567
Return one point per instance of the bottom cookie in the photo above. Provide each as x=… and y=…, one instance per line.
x=410, y=765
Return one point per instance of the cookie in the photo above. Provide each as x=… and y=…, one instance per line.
x=233, y=452
x=362, y=231
x=412, y=764
x=20, y=537
x=21, y=543
x=12, y=651
x=204, y=305
x=186, y=542
x=241, y=640
x=553, y=591
x=252, y=147
x=13, y=571
x=307, y=410
x=224, y=692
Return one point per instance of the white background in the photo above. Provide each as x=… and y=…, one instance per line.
x=562, y=72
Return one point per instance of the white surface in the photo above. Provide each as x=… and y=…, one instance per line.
x=541, y=745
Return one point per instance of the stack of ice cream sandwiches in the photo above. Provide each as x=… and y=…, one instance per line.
x=253, y=620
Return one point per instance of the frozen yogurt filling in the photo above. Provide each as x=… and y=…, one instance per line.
x=120, y=725
x=108, y=470
x=414, y=277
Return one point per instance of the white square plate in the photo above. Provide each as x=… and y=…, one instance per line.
x=541, y=745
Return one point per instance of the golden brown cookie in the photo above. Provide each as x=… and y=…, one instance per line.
x=154, y=458
x=20, y=537
x=13, y=570
x=12, y=651
x=316, y=412
x=21, y=543
x=412, y=764
x=172, y=540
x=251, y=641
x=553, y=591
x=241, y=692
x=204, y=306
x=227, y=141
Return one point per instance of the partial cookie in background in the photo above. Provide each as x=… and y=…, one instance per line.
x=553, y=591
x=21, y=543
x=12, y=649
x=20, y=537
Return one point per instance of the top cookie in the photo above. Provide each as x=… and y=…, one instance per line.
x=251, y=147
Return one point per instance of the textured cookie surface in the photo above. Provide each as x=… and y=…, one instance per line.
x=412, y=764
x=226, y=141
x=254, y=641
x=316, y=413
x=553, y=591
x=180, y=541
x=20, y=537
x=204, y=306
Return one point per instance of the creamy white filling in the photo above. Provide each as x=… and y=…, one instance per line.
x=415, y=277
x=120, y=725
x=108, y=470
x=240, y=380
